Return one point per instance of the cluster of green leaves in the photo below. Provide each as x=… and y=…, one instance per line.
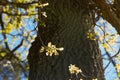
x=17, y=31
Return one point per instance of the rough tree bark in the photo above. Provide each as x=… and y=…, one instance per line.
x=67, y=25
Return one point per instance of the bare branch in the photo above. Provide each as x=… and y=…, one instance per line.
x=116, y=54
x=2, y=26
x=23, y=69
x=108, y=14
x=17, y=46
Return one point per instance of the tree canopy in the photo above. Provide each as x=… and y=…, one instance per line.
x=21, y=21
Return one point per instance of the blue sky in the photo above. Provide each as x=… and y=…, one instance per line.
x=110, y=73
x=29, y=25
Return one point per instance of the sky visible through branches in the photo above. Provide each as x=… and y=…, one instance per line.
x=24, y=33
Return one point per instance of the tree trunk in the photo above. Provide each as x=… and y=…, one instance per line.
x=67, y=25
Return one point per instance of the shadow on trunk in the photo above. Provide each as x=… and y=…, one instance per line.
x=67, y=25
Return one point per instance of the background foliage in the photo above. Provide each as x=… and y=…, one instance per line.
x=18, y=29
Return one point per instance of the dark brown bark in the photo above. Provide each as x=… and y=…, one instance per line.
x=67, y=25
x=110, y=14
